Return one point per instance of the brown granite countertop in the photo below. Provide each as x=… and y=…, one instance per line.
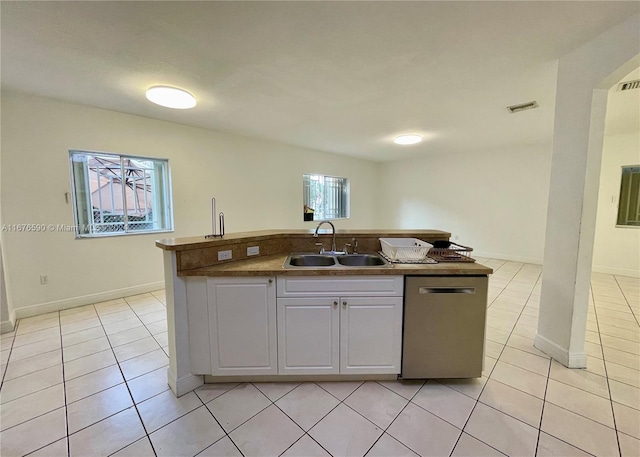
x=272, y=266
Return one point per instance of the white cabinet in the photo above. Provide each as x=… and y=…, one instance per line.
x=346, y=333
x=370, y=335
x=242, y=325
x=316, y=326
x=308, y=335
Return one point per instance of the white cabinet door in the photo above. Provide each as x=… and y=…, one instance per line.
x=242, y=322
x=370, y=335
x=308, y=335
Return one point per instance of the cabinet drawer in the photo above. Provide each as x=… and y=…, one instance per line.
x=324, y=286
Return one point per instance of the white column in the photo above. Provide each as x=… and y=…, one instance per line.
x=179, y=374
x=584, y=76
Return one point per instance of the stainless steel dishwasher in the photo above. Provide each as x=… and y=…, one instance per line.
x=444, y=324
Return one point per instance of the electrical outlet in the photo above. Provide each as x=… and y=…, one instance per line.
x=44, y=279
x=224, y=255
x=253, y=250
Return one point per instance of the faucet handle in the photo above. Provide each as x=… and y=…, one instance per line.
x=321, y=247
x=346, y=248
x=354, y=241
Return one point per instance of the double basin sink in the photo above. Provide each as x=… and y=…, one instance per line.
x=335, y=261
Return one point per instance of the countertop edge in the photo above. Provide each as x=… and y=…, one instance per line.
x=272, y=266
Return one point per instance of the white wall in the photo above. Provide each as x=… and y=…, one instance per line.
x=258, y=185
x=494, y=201
x=616, y=249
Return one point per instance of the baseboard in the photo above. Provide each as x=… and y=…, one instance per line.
x=616, y=271
x=569, y=360
x=183, y=385
x=595, y=268
x=43, y=308
x=503, y=256
x=6, y=327
x=301, y=378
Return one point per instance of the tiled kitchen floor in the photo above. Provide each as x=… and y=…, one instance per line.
x=92, y=381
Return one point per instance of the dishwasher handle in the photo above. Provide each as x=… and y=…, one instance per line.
x=447, y=290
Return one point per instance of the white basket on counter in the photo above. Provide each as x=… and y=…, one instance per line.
x=405, y=248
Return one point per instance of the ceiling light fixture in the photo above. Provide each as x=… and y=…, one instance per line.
x=171, y=97
x=407, y=139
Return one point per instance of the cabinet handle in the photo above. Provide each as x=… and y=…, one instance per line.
x=344, y=303
x=447, y=290
x=335, y=303
x=271, y=281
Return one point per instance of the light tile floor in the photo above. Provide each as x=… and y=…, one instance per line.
x=92, y=381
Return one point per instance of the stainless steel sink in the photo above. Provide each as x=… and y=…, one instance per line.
x=309, y=260
x=361, y=260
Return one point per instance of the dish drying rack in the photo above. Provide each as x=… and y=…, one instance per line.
x=421, y=261
x=452, y=253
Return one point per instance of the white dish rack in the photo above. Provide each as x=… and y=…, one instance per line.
x=405, y=248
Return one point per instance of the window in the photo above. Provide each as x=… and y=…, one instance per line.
x=327, y=197
x=629, y=206
x=118, y=195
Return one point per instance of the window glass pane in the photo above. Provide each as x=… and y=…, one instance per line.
x=120, y=194
x=629, y=202
x=327, y=197
x=80, y=180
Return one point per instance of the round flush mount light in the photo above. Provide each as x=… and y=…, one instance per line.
x=171, y=97
x=407, y=139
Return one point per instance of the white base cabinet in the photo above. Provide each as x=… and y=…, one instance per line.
x=316, y=325
x=341, y=334
x=370, y=335
x=242, y=326
x=308, y=336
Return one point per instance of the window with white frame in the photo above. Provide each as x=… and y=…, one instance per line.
x=326, y=197
x=120, y=195
x=629, y=202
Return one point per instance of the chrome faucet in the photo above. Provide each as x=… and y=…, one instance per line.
x=333, y=234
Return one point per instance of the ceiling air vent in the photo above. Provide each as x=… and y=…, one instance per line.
x=522, y=107
x=628, y=85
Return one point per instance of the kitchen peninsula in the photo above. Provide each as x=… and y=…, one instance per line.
x=234, y=313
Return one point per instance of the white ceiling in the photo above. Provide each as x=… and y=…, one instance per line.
x=342, y=77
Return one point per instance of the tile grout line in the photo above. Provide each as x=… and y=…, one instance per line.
x=544, y=402
x=6, y=367
x=144, y=428
x=64, y=394
x=626, y=299
x=621, y=350
x=606, y=373
x=226, y=435
x=64, y=390
x=147, y=329
x=306, y=432
x=398, y=415
x=477, y=400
